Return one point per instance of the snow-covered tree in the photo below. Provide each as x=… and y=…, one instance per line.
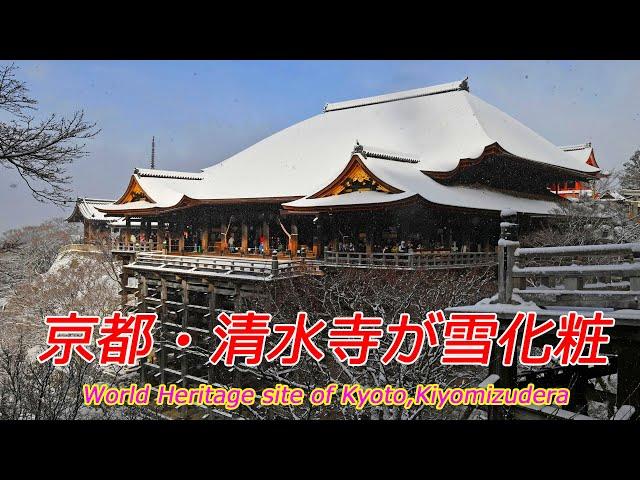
x=630, y=177
x=377, y=293
x=585, y=222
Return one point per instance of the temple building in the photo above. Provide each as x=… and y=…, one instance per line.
x=424, y=170
x=95, y=223
x=574, y=189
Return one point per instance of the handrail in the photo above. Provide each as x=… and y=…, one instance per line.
x=609, y=249
x=220, y=264
x=409, y=260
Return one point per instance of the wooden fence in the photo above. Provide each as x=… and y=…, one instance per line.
x=430, y=260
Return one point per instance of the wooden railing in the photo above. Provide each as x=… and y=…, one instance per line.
x=410, y=260
x=221, y=265
x=594, y=275
x=137, y=247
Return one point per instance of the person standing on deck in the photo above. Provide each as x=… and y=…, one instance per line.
x=261, y=245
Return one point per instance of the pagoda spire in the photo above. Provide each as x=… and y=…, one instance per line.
x=153, y=152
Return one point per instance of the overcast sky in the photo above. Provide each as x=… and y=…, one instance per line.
x=201, y=112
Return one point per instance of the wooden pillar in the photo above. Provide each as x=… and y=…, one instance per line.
x=127, y=230
x=244, y=242
x=163, y=319
x=204, y=239
x=185, y=323
x=265, y=232
x=143, y=293
x=181, y=227
x=318, y=239
x=124, y=281
x=293, y=240
x=370, y=234
x=223, y=237
x=237, y=299
x=213, y=315
x=508, y=377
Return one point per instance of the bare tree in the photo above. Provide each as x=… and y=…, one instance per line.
x=39, y=150
x=380, y=293
x=585, y=222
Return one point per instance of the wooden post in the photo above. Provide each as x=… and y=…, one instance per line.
x=265, y=233
x=124, y=281
x=160, y=237
x=318, y=237
x=163, y=319
x=212, y=320
x=508, y=377
x=274, y=263
x=204, y=239
x=506, y=256
x=244, y=241
x=147, y=232
x=223, y=237
x=181, y=227
x=185, y=323
x=127, y=231
x=143, y=293
x=293, y=240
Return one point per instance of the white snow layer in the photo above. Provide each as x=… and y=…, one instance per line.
x=439, y=130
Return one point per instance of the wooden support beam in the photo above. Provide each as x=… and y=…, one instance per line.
x=143, y=292
x=265, y=233
x=181, y=228
x=163, y=319
x=212, y=297
x=223, y=237
x=185, y=323
x=244, y=241
x=127, y=230
x=293, y=240
x=204, y=239
x=507, y=379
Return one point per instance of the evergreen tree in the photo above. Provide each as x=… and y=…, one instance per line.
x=631, y=172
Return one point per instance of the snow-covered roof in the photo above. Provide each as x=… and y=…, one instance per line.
x=580, y=152
x=86, y=208
x=153, y=173
x=403, y=177
x=426, y=130
x=612, y=195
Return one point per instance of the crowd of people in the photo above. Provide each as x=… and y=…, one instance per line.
x=389, y=247
x=257, y=244
x=403, y=246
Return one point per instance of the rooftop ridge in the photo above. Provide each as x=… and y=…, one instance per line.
x=94, y=200
x=570, y=148
x=403, y=95
x=375, y=152
x=152, y=173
